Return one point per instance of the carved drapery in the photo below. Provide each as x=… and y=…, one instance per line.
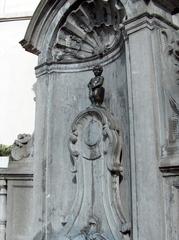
x=90, y=31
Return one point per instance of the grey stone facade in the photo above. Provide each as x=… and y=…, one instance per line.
x=110, y=171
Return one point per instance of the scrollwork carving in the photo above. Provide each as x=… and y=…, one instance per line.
x=95, y=137
x=95, y=146
x=92, y=231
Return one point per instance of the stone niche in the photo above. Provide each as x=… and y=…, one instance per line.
x=88, y=33
x=105, y=171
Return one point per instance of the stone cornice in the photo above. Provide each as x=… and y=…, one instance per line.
x=147, y=20
x=50, y=67
x=171, y=6
x=10, y=19
x=151, y=16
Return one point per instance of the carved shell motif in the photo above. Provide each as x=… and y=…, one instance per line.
x=91, y=31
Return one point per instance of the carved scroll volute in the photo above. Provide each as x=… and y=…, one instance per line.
x=95, y=146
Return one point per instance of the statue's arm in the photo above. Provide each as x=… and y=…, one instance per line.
x=100, y=82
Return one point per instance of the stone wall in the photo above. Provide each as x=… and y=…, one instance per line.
x=16, y=191
x=70, y=38
x=103, y=168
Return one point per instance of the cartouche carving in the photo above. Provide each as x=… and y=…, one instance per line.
x=95, y=146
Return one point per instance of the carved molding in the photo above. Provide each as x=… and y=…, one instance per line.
x=171, y=6
x=91, y=31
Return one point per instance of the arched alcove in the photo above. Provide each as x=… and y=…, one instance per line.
x=90, y=31
x=71, y=37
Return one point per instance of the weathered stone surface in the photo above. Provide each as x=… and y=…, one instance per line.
x=74, y=87
x=16, y=191
x=92, y=191
x=22, y=147
x=81, y=36
x=16, y=195
x=95, y=146
x=3, y=209
x=33, y=41
x=170, y=5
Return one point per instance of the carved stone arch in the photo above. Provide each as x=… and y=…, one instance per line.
x=50, y=14
x=77, y=30
x=90, y=31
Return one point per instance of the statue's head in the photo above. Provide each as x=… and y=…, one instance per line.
x=97, y=70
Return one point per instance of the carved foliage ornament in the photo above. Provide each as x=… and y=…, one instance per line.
x=90, y=31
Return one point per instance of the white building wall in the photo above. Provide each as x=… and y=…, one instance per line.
x=16, y=71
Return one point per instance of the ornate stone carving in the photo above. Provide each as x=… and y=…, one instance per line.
x=22, y=147
x=171, y=80
x=172, y=52
x=95, y=146
x=90, y=31
x=91, y=231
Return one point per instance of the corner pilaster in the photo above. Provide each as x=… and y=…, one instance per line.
x=142, y=53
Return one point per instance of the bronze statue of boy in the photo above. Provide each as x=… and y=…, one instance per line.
x=96, y=91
